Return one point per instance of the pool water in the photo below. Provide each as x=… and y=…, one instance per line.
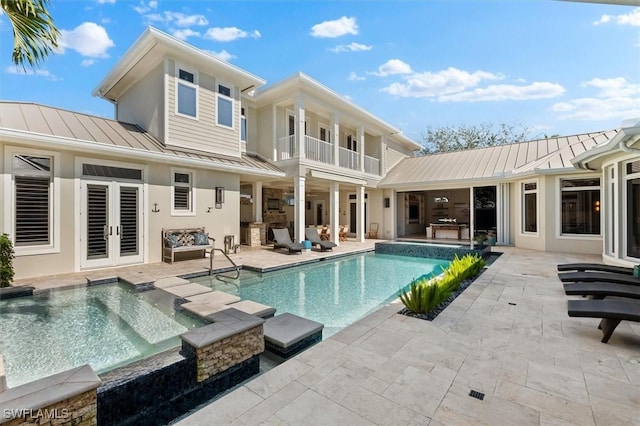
x=336, y=293
x=106, y=326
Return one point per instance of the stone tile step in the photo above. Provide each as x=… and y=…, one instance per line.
x=288, y=334
x=247, y=306
x=188, y=290
x=214, y=298
x=170, y=282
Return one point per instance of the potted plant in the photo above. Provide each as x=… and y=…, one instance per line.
x=491, y=238
x=480, y=240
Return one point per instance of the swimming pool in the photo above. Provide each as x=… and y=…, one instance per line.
x=106, y=326
x=335, y=293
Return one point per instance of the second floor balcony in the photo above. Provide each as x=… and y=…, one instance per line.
x=323, y=152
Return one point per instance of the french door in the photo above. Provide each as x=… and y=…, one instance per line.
x=111, y=223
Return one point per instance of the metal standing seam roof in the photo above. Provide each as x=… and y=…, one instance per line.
x=494, y=162
x=55, y=122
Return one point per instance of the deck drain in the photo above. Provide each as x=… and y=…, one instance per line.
x=512, y=304
x=476, y=394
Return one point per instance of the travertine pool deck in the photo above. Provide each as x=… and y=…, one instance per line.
x=507, y=336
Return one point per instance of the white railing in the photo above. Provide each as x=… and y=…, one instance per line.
x=286, y=147
x=349, y=159
x=371, y=165
x=318, y=150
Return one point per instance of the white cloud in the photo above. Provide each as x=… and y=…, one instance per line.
x=143, y=7
x=222, y=55
x=37, y=72
x=393, y=67
x=106, y=1
x=88, y=39
x=507, y=92
x=182, y=20
x=615, y=98
x=185, y=34
x=229, y=34
x=335, y=28
x=351, y=47
x=632, y=18
x=87, y=62
x=430, y=85
x=355, y=77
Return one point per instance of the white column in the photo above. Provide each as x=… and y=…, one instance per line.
x=472, y=215
x=360, y=142
x=299, y=209
x=360, y=225
x=502, y=210
x=334, y=211
x=390, y=214
x=274, y=132
x=300, y=120
x=335, y=130
x=257, y=202
x=383, y=155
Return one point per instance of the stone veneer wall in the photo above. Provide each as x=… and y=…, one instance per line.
x=223, y=354
x=80, y=410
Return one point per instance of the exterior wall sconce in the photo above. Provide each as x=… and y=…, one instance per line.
x=387, y=202
x=219, y=197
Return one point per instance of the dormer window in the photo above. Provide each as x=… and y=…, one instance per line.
x=225, y=106
x=186, y=93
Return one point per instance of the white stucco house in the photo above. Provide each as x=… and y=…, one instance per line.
x=198, y=142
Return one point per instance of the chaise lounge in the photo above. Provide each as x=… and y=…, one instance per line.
x=600, y=267
x=312, y=235
x=608, y=277
x=282, y=239
x=611, y=312
x=597, y=290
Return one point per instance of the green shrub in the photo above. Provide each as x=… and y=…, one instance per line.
x=6, y=261
x=425, y=294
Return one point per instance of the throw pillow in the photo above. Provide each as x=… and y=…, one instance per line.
x=171, y=241
x=200, y=239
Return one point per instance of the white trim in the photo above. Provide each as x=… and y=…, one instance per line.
x=623, y=179
x=55, y=202
x=558, y=210
x=194, y=85
x=522, y=193
x=192, y=192
x=230, y=98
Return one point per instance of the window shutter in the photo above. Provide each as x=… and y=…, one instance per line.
x=181, y=198
x=32, y=210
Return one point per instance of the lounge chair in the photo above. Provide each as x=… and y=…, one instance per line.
x=312, y=235
x=608, y=277
x=282, y=239
x=611, y=312
x=582, y=267
x=598, y=290
x=373, y=231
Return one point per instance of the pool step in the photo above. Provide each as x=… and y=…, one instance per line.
x=288, y=334
x=204, y=309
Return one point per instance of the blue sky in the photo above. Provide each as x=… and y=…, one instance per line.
x=554, y=67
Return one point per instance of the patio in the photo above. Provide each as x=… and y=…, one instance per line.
x=507, y=336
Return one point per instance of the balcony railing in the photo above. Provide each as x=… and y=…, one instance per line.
x=371, y=165
x=349, y=159
x=322, y=152
x=286, y=147
x=318, y=150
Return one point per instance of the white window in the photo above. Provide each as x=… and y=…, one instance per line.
x=187, y=93
x=351, y=143
x=530, y=207
x=580, y=206
x=243, y=126
x=182, y=194
x=32, y=215
x=324, y=134
x=224, y=106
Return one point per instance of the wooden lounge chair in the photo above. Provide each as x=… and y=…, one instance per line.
x=312, y=235
x=597, y=290
x=282, y=239
x=373, y=231
x=582, y=267
x=608, y=277
x=342, y=234
x=611, y=311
